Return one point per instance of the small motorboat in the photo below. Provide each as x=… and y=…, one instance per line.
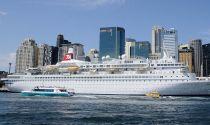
x=48, y=91
x=153, y=94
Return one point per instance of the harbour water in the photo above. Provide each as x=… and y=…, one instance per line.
x=103, y=109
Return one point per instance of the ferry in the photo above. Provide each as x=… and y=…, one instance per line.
x=47, y=91
x=153, y=94
x=114, y=76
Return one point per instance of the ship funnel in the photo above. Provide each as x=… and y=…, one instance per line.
x=69, y=55
x=71, y=50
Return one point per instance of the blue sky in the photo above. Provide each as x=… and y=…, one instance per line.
x=80, y=20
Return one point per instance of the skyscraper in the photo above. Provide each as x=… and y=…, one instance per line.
x=78, y=50
x=143, y=49
x=130, y=48
x=206, y=59
x=112, y=42
x=45, y=55
x=137, y=49
x=26, y=56
x=62, y=51
x=170, y=43
x=54, y=55
x=165, y=40
x=198, y=56
x=186, y=56
x=157, y=34
x=60, y=40
x=63, y=48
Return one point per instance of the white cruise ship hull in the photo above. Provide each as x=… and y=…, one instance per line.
x=114, y=76
x=121, y=87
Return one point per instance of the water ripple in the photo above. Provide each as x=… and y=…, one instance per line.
x=108, y=110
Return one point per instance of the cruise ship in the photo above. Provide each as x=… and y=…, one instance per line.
x=114, y=76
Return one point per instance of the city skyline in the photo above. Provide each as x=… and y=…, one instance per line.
x=81, y=20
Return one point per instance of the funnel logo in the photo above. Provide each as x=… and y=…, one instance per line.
x=68, y=56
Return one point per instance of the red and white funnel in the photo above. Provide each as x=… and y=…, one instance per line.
x=69, y=55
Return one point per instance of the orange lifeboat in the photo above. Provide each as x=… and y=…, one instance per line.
x=73, y=68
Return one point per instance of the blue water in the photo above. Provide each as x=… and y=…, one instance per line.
x=103, y=109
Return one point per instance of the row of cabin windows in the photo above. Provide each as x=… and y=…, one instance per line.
x=157, y=80
x=102, y=77
x=96, y=77
x=45, y=90
x=108, y=66
x=168, y=64
x=132, y=61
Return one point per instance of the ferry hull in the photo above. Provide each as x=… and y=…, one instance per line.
x=28, y=93
x=198, y=88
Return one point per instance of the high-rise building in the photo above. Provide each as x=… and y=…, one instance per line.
x=186, y=55
x=63, y=48
x=45, y=55
x=62, y=51
x=165, y=40
x=78, y=50
x=130, y=48
x=54, y=55
x=170, y=43
x=112, y=42
x=206, y=59
x=157, y=39
x=143, y=49
x=60, y=40
x=135, y=49
x=26, y=56
x=198, y=55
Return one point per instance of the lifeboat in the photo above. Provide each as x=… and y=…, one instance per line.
x=73, y=68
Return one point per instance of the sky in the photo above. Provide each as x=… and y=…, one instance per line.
x=80, y=21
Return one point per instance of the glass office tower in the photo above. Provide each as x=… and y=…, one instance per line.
x=137, y=49
x=143, y=49
x=112, y=42
x=206, y=59
x=165, y=40
x=196, y=44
